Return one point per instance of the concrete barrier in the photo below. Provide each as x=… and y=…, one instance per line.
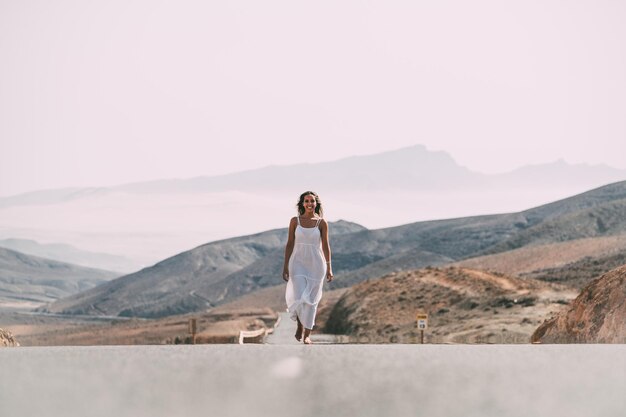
x=257, y=336
x=254, y=336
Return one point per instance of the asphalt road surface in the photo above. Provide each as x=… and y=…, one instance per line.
x=284, y=334
x=318, y=380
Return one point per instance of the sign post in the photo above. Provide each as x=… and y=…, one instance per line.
x=422, y=324
x=192, y=330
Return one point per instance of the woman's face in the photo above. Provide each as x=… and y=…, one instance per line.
x=309, y=203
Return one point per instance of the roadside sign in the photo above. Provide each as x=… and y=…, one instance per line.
x=422, y=321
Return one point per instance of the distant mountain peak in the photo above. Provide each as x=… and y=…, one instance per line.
x=405, y=153
x=62, y=252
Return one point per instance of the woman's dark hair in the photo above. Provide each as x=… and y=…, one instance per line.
x=318, y=208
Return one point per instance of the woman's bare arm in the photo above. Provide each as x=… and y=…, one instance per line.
x=326, y=249
x=291, y=238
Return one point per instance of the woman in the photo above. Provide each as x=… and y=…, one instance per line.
x=307, y=263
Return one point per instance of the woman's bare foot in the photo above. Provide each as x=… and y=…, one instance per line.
x=299, y=331
x=299, y=334
x=307, y=338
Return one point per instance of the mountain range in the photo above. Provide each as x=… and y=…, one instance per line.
x=149, y=221
x=221, y=271
x=69, y=254
x=27, y=280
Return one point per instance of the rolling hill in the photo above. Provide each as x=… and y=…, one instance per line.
x=464, y=306
x=27, y=280
x=224, y=270
x=189, y=281
x=574, y=263
x=69, y=254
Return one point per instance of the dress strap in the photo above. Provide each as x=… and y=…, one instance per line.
x=318, y=222
x=298, y=217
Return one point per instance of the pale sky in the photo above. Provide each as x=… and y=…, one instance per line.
x=96, y=93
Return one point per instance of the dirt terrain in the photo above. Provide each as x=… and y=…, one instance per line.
x=7, y=339
x=219, y=325
x=532, y=259
x=597, y=315
x=489, y=299
x=464, y=306
x=215, y=326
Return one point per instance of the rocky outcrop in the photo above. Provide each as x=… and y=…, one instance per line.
x=597, y=315
x=463, y=306
x=7, y=339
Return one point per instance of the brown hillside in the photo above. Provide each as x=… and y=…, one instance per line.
x=464, y=306
x=532, y=258
x=597, y=315
x=7, y=339
x=574, y=263
x=215, y=326
x=218, y=325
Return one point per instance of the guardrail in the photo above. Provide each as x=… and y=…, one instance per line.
x=257, y=335
x=251, y=334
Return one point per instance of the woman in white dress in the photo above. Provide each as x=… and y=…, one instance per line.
x=307, y=263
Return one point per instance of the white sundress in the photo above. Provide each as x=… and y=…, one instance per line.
x=307, y=270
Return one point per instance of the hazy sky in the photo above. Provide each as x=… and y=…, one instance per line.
x=106, y=92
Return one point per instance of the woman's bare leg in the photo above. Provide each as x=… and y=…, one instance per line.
x=307, y=338
x=300, y=329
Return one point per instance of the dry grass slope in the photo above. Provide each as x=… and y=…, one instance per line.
x=215, y=326
x=574, y=263
x=7, y=339
x=464, y=306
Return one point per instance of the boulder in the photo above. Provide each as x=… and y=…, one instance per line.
x=7, y=339
x=597, y=315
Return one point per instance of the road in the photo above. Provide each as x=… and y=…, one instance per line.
x=284, y=334
x=318, y=380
